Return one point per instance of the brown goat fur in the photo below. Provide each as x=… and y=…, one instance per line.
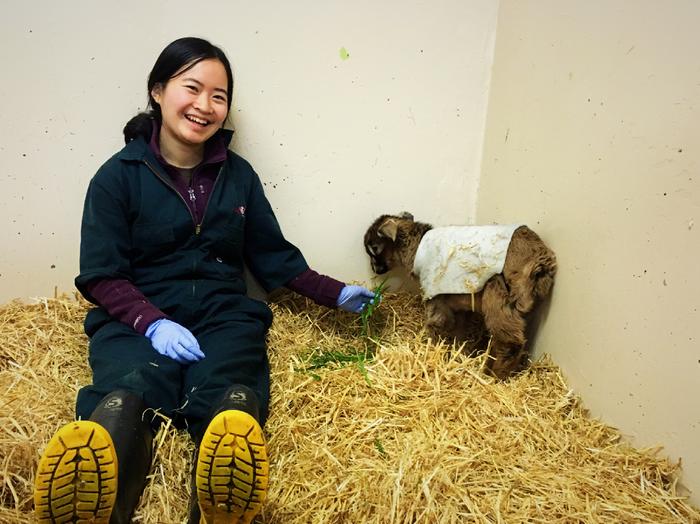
x=505, y=303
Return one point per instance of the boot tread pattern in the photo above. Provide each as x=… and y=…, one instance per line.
x=232, y=469
x=76, y=480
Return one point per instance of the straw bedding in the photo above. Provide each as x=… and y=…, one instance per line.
x=402, y=429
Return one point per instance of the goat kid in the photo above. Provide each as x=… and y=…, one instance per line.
x=504, y=295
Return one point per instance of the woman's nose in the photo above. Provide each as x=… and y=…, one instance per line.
x=202, y=103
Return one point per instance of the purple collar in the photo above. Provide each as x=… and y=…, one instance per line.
x=215, y=149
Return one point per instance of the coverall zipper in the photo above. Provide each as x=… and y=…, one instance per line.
x=197, y=226
x=206, y=206
x=190, y=191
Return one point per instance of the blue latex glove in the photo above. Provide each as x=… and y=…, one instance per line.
x=172, y=340
x=354, y=298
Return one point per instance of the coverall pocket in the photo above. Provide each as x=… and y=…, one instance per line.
x=152, y=239
x=230, y=244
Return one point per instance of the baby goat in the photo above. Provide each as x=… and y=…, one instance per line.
x=453, y=270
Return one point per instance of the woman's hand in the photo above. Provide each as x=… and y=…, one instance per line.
x=354, y=298
x=172, y=340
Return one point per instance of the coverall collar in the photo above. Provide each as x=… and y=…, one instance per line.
x=138, y=149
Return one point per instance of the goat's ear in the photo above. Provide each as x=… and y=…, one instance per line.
x=407, y=215
x=388, y=229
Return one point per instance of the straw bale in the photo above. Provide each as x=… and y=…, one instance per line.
x=394, y=429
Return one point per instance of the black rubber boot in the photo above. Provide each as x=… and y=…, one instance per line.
x=230, y=474
x=95, y=470
x=121, y=413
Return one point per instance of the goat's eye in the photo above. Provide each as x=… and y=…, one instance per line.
x=375, y=249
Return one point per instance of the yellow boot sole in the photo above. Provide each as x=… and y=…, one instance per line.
x=232, y=469
x=76, y=480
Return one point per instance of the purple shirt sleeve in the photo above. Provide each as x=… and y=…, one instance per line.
x=319, y=288
x=124, y=302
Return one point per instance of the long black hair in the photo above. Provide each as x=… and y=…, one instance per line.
x=178, y=57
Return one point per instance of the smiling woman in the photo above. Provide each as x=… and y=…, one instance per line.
x=194, y=106
x=190, y=89
x=167, y=225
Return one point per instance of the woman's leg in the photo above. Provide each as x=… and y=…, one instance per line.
x=96, y=469
x=228, y=396
x=235, y=353
x=120, y=358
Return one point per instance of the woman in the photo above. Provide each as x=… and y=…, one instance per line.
x=168, y=224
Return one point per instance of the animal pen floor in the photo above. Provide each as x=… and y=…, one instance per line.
x=414, y=433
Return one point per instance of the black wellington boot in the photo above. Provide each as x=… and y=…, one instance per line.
x=121, y=413
x=94, y=470
x=230, y=474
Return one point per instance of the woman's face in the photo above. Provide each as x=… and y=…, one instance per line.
x=194, y=104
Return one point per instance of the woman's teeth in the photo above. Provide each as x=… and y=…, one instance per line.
x=196, y=120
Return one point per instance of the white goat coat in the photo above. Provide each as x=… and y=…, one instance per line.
x=461, y=259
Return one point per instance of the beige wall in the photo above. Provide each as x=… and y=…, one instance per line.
x=593, y=138
x=337, y=142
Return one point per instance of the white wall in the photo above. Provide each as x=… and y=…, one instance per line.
x=593, y=138
x=338, y=142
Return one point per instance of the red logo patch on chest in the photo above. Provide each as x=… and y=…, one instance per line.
x=240, y=210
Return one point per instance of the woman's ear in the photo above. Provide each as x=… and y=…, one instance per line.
x=157, y=93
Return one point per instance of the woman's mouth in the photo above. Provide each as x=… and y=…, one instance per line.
x=196, y=120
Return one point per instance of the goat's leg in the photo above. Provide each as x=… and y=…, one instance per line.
x=506, y=326
x=439, y=317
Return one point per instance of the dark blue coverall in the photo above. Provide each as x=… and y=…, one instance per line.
x=136, y=226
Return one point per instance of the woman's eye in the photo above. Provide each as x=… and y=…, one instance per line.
x=192, y=88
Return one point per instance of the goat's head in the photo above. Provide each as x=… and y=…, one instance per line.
x=384, y=240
